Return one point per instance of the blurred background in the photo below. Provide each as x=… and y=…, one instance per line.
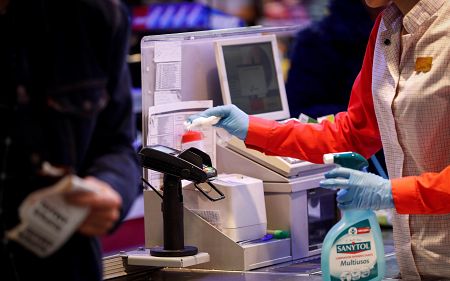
x=165, y=17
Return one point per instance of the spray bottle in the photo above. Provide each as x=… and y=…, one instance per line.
x=353, y=248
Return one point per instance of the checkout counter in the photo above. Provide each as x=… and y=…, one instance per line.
x=221, y=254
x=252, y=192
x=307, y=269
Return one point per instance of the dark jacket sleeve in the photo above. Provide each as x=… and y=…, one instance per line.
x=112, y=156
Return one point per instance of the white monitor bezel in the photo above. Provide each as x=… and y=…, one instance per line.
x=258, y=38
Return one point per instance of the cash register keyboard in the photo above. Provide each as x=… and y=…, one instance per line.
x=286, y=166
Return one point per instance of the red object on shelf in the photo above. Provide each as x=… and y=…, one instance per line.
x=189, y=136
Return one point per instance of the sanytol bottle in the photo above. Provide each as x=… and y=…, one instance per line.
x=353, y=248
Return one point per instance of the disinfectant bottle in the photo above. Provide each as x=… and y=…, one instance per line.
x=353, y=248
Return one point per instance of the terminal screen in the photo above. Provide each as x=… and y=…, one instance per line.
x=251, y=76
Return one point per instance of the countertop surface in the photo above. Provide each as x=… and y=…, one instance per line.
x=296, y=271
x=302, y=269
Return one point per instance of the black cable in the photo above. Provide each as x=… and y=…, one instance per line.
x=151, y=186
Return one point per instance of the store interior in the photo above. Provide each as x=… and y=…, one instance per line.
x=318, y=42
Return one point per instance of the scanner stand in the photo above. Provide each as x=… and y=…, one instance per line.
x=172, y=209
x=191, y=164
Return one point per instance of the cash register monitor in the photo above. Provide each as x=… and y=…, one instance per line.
x=251, y=78
x=250, y=75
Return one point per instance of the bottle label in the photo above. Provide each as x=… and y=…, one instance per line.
x=353, y=255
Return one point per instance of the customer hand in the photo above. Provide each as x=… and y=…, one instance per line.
x=233, y=120
x=359, y=190
x=105, y=205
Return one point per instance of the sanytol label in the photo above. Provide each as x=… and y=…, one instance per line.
x=352, y=256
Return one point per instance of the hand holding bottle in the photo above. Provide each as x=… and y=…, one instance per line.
x=359, y=190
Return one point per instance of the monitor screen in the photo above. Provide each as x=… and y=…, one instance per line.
x=251, y=77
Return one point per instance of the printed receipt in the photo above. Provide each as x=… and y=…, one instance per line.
x=47, y=221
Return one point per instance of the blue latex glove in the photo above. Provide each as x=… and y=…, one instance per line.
x=359, y=190
x=233, y=120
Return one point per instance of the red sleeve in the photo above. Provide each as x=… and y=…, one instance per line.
x=428, y=193
x=354, y=130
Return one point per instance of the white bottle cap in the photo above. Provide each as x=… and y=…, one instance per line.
x=328, y=158
x=201, y=122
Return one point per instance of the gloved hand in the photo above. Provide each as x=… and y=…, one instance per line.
x=233, y=120
x=359, y=190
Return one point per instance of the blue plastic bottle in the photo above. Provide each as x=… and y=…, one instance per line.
x=353, y=248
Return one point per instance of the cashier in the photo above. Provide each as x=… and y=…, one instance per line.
x=400, y=102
